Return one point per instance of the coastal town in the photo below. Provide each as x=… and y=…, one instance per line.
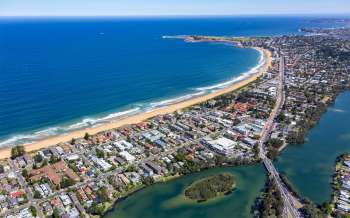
x=341, y=185
x=86, y=176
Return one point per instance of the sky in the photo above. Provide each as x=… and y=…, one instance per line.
x=170, y=7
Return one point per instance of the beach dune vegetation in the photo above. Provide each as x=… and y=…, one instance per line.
x=17, y=151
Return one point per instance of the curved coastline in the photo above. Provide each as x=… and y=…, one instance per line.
x=136, y=115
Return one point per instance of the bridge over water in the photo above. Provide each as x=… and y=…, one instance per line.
x=289, y=201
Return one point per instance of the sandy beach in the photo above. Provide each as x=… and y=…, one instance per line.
x=5, y=153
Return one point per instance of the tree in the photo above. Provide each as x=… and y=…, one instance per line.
x=56, y=213
x=33, y=211
x=100, y=153
x=103, y=194
x=310, y=210
x=113, y=167
x=256, y=150
x=97, y=209
x=273, y=146
x=295, y=137
x=210, y=187
x=326, y=208
x=73, y=167
x=66, y=182
x=73, y=141
x=272, y=153
x=270, y=203
x=131, y=168
x=17, y=151
x=281, y=118
x=37, y=194
x=87, y=136
x=25, y=173
x=38, y=158
x=276, y=143
x=219, y=160
x=180, y=156
x=54, y=159
x=45, y=163
x=148, y=180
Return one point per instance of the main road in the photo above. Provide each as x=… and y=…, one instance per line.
x=290, y=208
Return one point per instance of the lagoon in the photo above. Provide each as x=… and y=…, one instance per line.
x=310, y=166
x=166, y=199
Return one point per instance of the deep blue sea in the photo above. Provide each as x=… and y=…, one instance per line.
x=62, y=74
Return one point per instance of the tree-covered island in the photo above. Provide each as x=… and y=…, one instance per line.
x=211, y=187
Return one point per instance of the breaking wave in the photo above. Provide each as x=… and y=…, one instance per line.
x=134, y=109
x=243, y=76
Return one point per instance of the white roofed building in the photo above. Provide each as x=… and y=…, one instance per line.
x=123, y=145
x=221, y=145
x=127, y=156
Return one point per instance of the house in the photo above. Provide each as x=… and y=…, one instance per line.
x=65, y=200
x=104, y=165
x=73, y=213
x=127, y=156
x=124, y=179
x=147, y=170
x=153, y=135
x=123, y=145
x=155, y=168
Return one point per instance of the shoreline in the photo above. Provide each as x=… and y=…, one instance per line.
x=167, y=179
x=140, y=117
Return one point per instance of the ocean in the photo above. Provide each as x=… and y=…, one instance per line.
x=63, y=74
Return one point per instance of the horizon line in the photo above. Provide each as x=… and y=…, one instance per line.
x=175, y=15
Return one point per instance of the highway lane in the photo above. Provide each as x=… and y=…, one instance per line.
x=288, y=199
